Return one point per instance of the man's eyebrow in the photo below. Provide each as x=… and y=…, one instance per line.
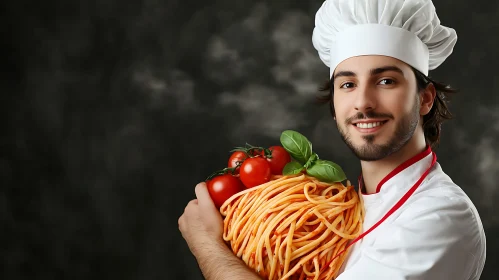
x=344, y=74
x=379, y=70
x=373, y=72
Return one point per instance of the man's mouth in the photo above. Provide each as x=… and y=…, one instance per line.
x=369, y=126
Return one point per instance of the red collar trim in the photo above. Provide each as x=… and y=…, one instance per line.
x=397, y=170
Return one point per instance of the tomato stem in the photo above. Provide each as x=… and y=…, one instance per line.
x=250, y=150
x=240, y=149
x=226, y=170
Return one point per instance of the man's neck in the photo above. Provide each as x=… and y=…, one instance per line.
x=374, y=171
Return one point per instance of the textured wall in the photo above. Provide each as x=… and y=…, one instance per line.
x=111, y=112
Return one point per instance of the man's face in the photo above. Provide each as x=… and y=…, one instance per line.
x=376, y=105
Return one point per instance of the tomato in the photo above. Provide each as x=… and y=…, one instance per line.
x=255, y=171
x=222, y=187
x=280, y=157
x=237, y=156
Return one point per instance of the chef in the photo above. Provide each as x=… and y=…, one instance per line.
x=418, y=223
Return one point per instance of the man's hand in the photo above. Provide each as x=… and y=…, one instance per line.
x=201, y=224
x=202, y=227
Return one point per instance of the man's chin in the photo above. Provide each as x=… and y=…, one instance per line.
x=370, y=151
x=367, y=141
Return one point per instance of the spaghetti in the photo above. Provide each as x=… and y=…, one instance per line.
x=293, y=227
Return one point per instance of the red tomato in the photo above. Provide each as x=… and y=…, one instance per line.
x=237, y=156
x=280, y=157
x=222, y=187
x=255, y=171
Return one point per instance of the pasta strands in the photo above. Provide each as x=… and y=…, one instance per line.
x=293, y=226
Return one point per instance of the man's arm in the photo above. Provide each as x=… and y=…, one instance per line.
x=219, y=263
x=201, y=226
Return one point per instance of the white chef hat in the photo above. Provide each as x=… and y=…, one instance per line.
x=408, y=30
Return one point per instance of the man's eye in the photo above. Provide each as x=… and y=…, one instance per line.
x=387, y=82
x=347, y=85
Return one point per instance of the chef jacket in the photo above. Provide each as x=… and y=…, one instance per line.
x=436, y=233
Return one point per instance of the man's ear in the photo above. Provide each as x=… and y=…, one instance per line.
x=427, y=99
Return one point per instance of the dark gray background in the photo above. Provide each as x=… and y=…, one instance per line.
x=111, y=112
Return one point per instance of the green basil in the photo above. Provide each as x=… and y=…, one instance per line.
x=292, y=168
x=326, y=171
x=311, y=160
x=297, y=145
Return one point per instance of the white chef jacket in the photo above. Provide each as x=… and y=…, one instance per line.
x=436, y=234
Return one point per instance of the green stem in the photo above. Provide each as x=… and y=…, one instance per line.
x=250, y=148
x=224, y=171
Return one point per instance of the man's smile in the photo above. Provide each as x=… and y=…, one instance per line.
x=369, y=126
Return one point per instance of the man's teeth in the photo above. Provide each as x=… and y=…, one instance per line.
x=368, y=125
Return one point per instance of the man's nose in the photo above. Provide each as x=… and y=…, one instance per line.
x=365, y=99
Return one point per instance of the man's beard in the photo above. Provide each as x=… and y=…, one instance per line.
x=372, y=152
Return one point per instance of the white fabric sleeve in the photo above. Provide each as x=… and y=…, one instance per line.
x=434, y=238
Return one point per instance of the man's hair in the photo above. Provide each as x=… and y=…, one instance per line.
x=432, y=121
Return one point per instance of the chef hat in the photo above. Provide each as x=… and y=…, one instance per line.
x=408, y=30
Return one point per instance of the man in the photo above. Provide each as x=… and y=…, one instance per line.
x=418, y=223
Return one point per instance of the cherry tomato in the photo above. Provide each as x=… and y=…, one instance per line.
x=255, y=171
x=237, y=156
x=222, y=187
x=280, y=157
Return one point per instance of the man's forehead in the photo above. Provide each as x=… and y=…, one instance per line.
x=365, y=63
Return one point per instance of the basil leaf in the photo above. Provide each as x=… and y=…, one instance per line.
x=326, y=171
x=311, y=160
x=292, y=168
x=297, y=145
